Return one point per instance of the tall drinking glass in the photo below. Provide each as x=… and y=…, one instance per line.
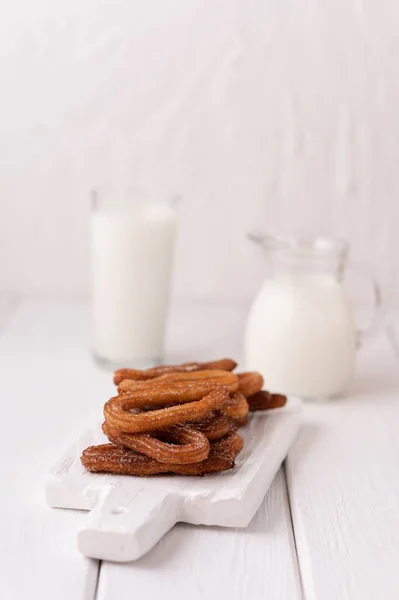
x=132, y=245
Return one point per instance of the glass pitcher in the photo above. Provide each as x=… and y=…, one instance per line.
x=301, y=333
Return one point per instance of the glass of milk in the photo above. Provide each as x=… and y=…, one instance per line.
x=132, y=244
x=301, y=333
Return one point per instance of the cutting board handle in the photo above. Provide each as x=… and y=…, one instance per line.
x=123, y=528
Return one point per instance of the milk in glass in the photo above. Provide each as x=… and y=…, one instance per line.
x=132, y=255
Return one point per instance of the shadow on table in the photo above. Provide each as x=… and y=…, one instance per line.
x=371, y=383
x=307, y=436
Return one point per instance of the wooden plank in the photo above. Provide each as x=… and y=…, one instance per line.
x=49, y=392
x=343, y=482
x=213, y=563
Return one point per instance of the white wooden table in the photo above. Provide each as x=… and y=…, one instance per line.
x=327, y=530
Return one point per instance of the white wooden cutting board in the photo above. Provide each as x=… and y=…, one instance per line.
x=130, y=514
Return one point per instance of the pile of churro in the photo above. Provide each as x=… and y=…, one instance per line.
x=178, y=419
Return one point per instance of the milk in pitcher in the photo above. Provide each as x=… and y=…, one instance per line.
x=301, y=332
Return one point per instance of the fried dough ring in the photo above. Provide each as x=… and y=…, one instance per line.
x=249, y=383
x=214, y=426
x=224, y=364
x=165, y=393
x=264, y=400
x=241, y=421
x=188, y=445
x=225, y=378
x=110, y=458
x=236, y=408
x=199, y=399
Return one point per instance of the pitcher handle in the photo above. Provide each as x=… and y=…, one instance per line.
x=362, y=333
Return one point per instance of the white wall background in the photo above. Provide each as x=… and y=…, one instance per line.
x=281, y=114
